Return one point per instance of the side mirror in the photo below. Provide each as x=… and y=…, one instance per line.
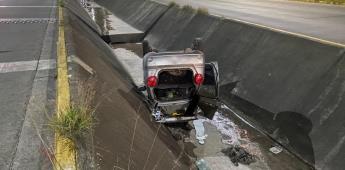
x=141, y=88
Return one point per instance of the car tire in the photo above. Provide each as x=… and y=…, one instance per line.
x=197, y=44
x=146, y=47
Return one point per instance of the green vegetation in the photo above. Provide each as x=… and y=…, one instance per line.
x=188, y=8
x=77, y=121
x=61, y=3
x=173, y=4
x=336, y=2
x=202, y=11
x=74, y=123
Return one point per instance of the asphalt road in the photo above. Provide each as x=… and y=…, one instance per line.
x=325, y=22
x=27, y=59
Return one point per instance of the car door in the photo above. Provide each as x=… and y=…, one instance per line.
x=209, y=91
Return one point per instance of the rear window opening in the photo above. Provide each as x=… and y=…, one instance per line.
x=177, y=76
x=174, y=84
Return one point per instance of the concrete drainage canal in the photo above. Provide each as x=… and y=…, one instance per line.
x=126, y=136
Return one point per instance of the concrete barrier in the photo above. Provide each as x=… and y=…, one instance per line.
x=273, y=78
x=75, y=7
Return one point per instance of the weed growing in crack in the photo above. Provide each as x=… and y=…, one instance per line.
x=73, y=123
x=77, y=121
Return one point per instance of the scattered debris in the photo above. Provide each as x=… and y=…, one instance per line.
x=238, y=155
x=156, y=113
x=253, y=148
x=200, y=130
x=201, y=164
x=244, y=134
x=180, y=131
x=228, y=129
x=224, y=163
x=276, y=149
x=124, y=52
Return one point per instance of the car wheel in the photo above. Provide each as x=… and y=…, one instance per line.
x=146, y=47
x=197, y=44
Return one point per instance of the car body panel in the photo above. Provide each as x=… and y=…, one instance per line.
x=155, y=63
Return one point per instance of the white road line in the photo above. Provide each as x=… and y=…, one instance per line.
x=322, y=41
x=27, y=66
x=81, y=63
x=27, y=6
x=26, y=19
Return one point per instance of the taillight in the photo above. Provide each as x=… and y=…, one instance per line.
x=198, y=79
x=152, y=81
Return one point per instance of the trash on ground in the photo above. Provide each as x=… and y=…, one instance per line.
x=244, y=134
x=200, y=130
x=156, y=114
x=238, y=155
x=179, y=133
x=202, y=165
x=227, y=128
x=276, y=149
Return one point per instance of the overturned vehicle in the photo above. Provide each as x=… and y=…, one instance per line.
x=178, y=83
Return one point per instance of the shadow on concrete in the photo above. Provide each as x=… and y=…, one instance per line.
x=290, y=129
x=166, y=133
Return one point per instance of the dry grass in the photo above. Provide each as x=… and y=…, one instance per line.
x=173, y=4
x=188, y=8
x=133, y=137
x=202, y=10
x=74, y=123
x=47, y=150
x=335, y=2
x=61, y=3
x=153, y=142
x=78, y=120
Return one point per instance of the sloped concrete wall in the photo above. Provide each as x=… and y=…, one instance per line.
x=277, y=72
x=139, y=13
x=75, y=7
x=123, y=129
x=291, y=87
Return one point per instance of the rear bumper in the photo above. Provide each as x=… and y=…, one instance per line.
x=176, y=119
x=173, y=103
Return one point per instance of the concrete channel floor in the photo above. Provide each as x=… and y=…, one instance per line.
x=27, y=70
